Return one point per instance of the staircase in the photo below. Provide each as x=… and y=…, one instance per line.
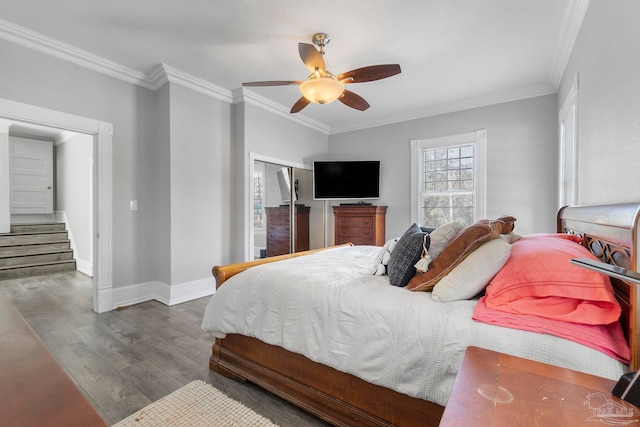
x=35, y=249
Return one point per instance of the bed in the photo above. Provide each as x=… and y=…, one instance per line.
x=327, y=377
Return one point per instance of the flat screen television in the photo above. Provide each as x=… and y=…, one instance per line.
x=346, y=180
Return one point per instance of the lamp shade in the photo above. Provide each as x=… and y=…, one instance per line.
x=321, y=90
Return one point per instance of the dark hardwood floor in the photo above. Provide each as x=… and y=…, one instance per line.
x=125, y=359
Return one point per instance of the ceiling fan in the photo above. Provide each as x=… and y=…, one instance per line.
x=322, y=87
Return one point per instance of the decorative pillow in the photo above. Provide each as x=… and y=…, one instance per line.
x=539, y=279
x=458, y=249
x=509, y=223
x=473, y=274
x=406, y=253
x=441, y=236
x=382, y=259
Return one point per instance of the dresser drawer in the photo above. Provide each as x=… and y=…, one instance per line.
x=355, y=221
x=355, y=232
x=279, y=219
x=278, y=229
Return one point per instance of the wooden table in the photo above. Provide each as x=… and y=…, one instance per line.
x=495, y=389
x=34, y=389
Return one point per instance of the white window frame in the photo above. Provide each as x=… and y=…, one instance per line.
x=568, y=118
x=479, y=140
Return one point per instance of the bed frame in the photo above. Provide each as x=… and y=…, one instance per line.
x=609, y=231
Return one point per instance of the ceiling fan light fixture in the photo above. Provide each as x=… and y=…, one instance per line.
x=322, y=90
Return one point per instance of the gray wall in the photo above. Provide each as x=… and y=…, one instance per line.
x=606, y=57
x=37, y=79
x=200, y=185
x=522, y=159
x=266, y=134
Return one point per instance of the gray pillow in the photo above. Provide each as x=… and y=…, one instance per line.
x=406, y=253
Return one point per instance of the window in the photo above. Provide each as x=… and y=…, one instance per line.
x=448, y=179
x=258, y=195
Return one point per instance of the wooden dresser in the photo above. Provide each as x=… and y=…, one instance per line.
x=360, y=225
x=278, y=229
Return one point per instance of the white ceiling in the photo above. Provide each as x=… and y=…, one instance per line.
x=454, y=54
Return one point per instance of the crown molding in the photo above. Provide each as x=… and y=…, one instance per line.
x=38, y=42
x=253, y=98
x=163, y=73
x=572, y=22
x=452, y=107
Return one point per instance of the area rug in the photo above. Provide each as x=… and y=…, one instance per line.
x=196, y=404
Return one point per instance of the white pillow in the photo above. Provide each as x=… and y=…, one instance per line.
x=473, y=274
x=441, y=236
x=382, y=258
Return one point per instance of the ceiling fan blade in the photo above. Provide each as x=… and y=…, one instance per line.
x=300, y=104
x=273, y=83
x=311, y=57
x=370, y=73
x=352, y=100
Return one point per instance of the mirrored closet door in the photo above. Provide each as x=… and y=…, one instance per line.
x=278, y=229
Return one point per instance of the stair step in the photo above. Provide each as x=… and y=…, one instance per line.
x=59, y=255
x=41, y=227
x=15, y=239
x=40, y=248
x=15, y=272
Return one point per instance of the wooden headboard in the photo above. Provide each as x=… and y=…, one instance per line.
x=610, y=232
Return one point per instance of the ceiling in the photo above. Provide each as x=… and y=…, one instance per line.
x=454, y=54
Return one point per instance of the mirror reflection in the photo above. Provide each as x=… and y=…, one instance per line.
x=277, y=230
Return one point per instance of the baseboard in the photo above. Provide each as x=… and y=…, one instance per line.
x=188, y=291
x=169, y=295
x=84, y=267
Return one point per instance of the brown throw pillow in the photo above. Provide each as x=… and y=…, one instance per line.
x=456, y=250
x=509, y=223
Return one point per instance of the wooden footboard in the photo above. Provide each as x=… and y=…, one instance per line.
x=336, y=397
x=223, y=272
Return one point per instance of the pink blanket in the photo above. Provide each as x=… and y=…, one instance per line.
x=608, y=339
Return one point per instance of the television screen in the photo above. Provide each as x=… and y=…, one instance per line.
x=333, y=180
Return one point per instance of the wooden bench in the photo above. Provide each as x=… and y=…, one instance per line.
x=34, y=389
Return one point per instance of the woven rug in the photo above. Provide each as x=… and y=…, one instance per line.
x=196, y=404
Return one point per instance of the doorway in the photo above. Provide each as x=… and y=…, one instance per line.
x=101, y=136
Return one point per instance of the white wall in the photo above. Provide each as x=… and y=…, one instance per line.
x=522, y=159
x=74, y=178
x=606, y=57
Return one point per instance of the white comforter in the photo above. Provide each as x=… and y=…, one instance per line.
x=329, y=307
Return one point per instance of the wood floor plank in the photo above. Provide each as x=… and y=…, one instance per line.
x=125, y=359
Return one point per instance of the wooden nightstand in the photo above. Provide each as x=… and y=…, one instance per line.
x=495, y=389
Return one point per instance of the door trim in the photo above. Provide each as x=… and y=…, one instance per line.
x=102, y=219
